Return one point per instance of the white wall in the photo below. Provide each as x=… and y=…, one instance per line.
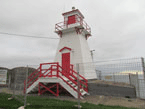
x=80, y=51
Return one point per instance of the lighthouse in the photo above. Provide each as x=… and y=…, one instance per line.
x=73, y=48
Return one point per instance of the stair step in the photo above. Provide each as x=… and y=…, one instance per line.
x=71, y=83
x=81, y=90
x=68, y=88
x=84, y=93
x=34, y=89
x=45, y=83
x=65, y=78
x=74, y=85
x=68, y=81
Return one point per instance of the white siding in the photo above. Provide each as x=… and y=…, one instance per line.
x=80, y=52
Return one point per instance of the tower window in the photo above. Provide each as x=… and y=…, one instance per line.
x=71, y=20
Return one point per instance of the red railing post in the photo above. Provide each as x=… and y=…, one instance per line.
x=57, y=89
x=57, y=70
x=62, y=25
x=40, y=74
x=51, y=68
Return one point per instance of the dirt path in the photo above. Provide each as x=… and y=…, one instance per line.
x=108, y=100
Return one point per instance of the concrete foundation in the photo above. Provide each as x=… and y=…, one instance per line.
x=110, y=90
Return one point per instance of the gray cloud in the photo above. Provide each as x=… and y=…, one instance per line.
x=117, y=28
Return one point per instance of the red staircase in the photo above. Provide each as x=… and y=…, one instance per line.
x=52, y=73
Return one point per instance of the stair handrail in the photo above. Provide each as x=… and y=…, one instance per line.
x=33, y=80
x=51, y=69
x=69, y=84
x=73, y=81
x=85, y=87
x=71, y=68
x=57, y=74
x=33, y=72
x=42, y=74
x=53, y=63
x=71, y=74
x=37, y=72
x=79, y=75
x=85, y=82
x=29, y=77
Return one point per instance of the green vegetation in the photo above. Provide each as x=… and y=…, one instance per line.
x=8, y=104
x=39, y=102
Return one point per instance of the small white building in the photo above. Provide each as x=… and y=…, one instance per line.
x=73, y=47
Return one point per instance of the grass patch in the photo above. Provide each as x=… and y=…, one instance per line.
x=8, y=104
x=38, y=102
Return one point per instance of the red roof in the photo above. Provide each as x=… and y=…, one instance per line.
x=73, y=12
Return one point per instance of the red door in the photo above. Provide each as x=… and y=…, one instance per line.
x=71, y=20
x=66, y=64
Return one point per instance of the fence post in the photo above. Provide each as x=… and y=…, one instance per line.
x=14, y=88
x=25, y=99
x=78, y=82
x=138, y=85
x=113, y=77
x=9, y=80
x=97, y=74
x=129, y=79
x=100, y=75
x=143, y=66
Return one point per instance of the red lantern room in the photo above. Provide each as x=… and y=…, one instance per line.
x=72, y=17
x=73, y=20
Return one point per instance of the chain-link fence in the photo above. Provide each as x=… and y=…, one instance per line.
x=129, y=72
x=114, y=77
x=141, y=88
x=17, y=77
x=19, y=81
x=33, y=74
x=3, y=77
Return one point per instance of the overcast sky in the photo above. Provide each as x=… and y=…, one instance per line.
x=118, y=29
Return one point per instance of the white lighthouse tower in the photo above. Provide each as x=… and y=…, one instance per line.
x=73, y=47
